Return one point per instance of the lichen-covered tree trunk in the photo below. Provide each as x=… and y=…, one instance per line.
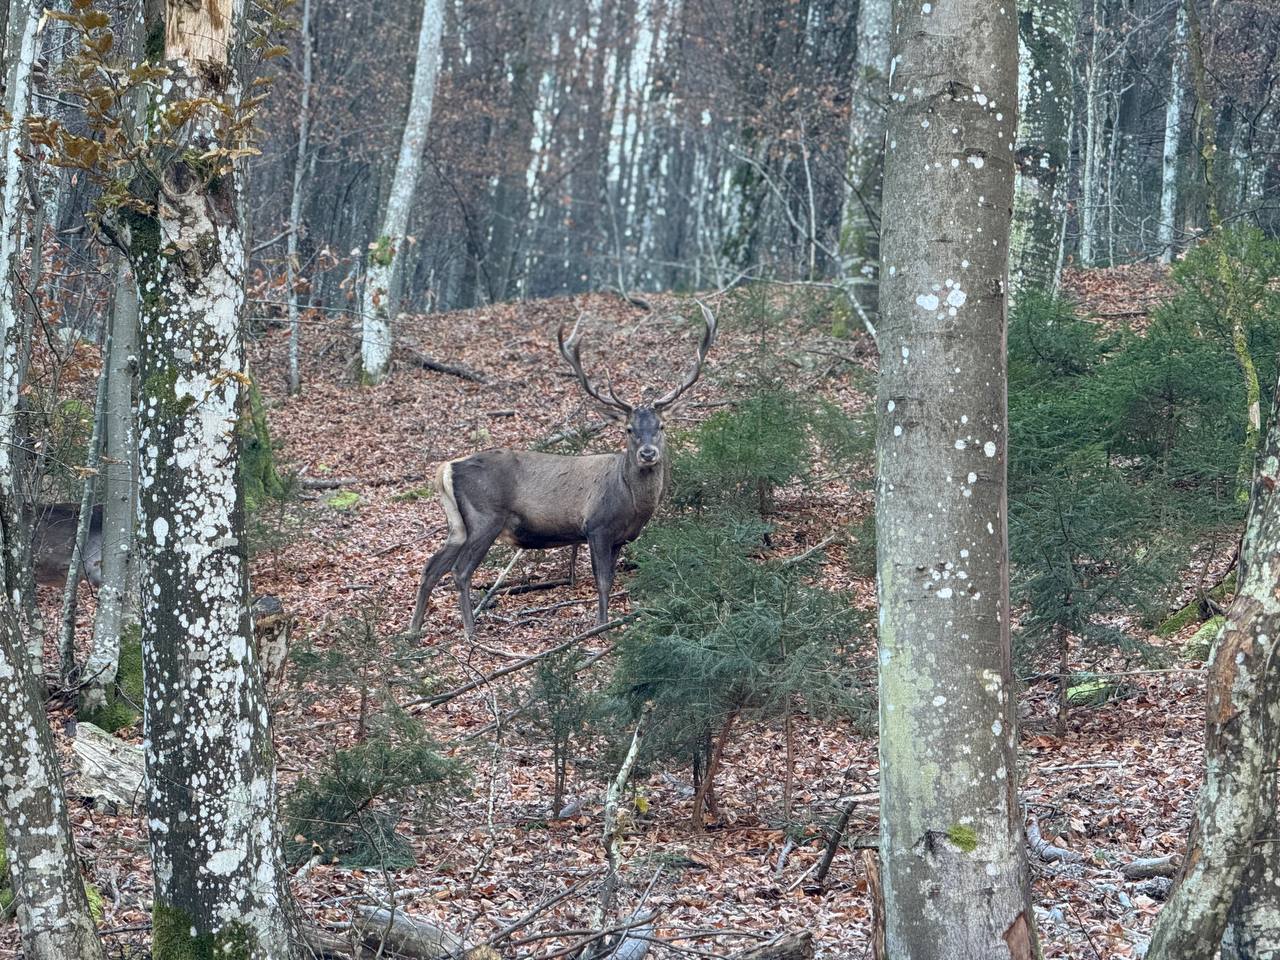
x=53, y=912
x=19, y=31
x=116, y=610
x=1046, y=41
x=1172, y=138
x=1242, y=715
x=859, y=221
x=951, y=837
x=220, y=886
x=384, y=258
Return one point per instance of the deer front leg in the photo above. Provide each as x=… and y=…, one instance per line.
x=604, y=560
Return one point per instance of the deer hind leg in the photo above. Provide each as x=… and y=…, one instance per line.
x=573, y=565
x=471, y=554
x=447, y=556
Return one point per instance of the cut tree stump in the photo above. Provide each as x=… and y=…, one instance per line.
x=107, y=770
x=788, y=946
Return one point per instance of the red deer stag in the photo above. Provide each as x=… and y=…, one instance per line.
x=540, y=500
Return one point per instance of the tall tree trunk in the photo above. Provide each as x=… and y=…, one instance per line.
x=53, y=912
x=295, y=203
x=860, y=219
x=117, y=610
x=1046, y=98
x=951, y=837
x=384, y=258
x=220, y=884
x=70, y=590
x=1242, y=712
x=1173, y=138
x=19, y=47
x=1094, y=127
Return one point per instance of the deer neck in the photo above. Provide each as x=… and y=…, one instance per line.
x=641, y=487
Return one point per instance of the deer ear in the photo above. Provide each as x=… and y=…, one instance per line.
x=615, y=415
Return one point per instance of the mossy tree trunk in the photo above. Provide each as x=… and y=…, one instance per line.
x=220, y=885
x=384, y=258
x=1046, y=41
x=951, y=837
x=53, y=912
x=1229, y=860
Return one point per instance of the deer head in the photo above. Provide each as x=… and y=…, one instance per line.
x=646, y=444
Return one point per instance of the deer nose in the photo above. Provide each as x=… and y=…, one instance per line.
x=648, y=454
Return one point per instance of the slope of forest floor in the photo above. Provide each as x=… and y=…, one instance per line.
x=1119, y=785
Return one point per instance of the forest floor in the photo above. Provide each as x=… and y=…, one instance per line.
x=1118, y=785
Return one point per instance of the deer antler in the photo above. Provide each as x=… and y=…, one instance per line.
x=571, y=350
x=708, y=340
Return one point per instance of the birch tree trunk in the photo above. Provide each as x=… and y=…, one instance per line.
x=384, y=258
x=1242, y=713
x=295, y=204
x=1173, y=138
x=951, y=837
x=220, y=885
x=1046, y=98
x=1095, y=123
x=859, y=227
x=116, y=612
x=53, y=912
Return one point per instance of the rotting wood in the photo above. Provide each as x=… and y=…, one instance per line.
x=787, y=946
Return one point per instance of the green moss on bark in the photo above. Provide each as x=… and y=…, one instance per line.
x=257, y=454
x=173, y=938
x=124, y=697
x=962, y=837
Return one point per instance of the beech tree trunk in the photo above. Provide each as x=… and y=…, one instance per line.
x=384, y=258
x=951, y=837
x=1046, y=42
x=1242, y=712
x=1173, y=139
x=220, y=884
x=117, y=609
x=53, y=912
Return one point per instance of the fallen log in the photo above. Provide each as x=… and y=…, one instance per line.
x=1045, y=850
x=428, y=363
x=395, y=933
x=107, y=770
x=787, y=946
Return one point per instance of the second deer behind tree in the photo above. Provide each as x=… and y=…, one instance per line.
x=540, y=500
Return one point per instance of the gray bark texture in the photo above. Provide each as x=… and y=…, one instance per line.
x=20, y=44
x=53, y=912
x=220, y=883
x=385, y=258
x=951, y=837
x=1046, y=41
x=117, y=609
x=1172, y=138
x=859, y=226
x=1228, y=856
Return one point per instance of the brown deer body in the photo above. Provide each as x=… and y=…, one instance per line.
x=540, y=500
